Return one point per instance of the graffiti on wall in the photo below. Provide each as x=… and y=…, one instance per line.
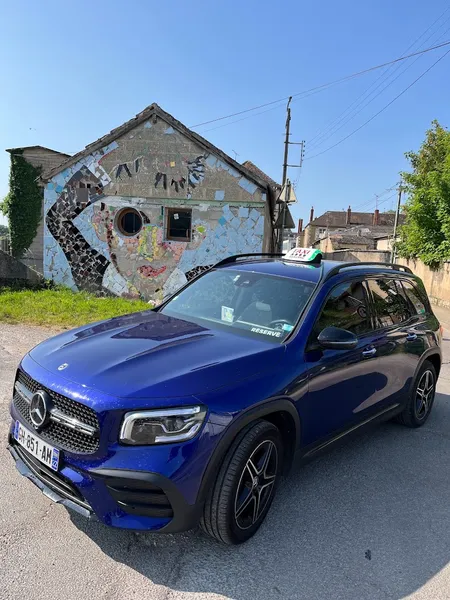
x=85, y=248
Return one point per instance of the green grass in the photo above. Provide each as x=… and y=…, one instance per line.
x=61, y=307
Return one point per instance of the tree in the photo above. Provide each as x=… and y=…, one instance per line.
x=426, y=233
x=3, y=231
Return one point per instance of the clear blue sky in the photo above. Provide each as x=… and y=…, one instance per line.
x=71, y=71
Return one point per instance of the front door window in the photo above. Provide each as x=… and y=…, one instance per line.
x=346, y=307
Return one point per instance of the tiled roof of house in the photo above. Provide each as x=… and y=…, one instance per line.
x=354, y=239
x=338, y=218
x=368, y=231
x=252, y=167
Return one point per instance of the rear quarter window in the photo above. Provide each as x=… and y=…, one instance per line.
x=390, y=303
x=415, y=297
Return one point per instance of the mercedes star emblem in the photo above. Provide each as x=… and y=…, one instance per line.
x=40, y=409
x=63, y=366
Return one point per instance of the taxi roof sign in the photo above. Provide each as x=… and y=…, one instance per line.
x=304, y=255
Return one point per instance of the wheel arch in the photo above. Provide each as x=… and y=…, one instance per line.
x=281, y=413
x=436, y=361
x=434, y=356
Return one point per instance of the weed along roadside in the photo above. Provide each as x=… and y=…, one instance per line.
x=61, y=307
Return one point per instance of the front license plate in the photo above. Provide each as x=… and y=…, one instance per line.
x=38, y=448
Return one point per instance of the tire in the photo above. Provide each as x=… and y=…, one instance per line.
x=251, y=470
x=419, y=405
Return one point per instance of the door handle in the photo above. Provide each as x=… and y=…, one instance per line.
x=370, y=352
x=411, y=337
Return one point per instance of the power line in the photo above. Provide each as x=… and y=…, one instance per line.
x=243, y=118
x=382, y=110
x=368, y=202
x=323, y=86
x=350, y=117
x=334, y=122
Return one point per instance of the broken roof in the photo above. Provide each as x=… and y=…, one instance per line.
x=143, y=116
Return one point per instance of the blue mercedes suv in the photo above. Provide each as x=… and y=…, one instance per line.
x=191, y=412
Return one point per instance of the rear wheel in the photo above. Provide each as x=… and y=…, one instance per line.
x=421, y=399
x=246, y=484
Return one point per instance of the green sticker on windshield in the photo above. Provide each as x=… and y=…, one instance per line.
x=227, y=314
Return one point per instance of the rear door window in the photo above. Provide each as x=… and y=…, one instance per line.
x=390, y=302
x=345, y=307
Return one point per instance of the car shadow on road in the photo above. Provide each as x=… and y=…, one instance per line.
x=369, y=520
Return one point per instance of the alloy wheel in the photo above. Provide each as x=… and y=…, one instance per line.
x=424, y=394
x=256, y=484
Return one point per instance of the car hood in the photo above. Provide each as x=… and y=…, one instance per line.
x=149, y=354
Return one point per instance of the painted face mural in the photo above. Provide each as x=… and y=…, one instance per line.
x=138, y=250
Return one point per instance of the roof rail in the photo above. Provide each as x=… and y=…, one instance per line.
x=339, y=268
x=235, y=257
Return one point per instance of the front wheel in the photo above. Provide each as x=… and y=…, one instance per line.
x=421, y=399
x=245, y=487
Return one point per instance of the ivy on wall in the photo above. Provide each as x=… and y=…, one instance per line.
x=23, y=204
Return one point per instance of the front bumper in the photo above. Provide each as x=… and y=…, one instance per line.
x=118, y=497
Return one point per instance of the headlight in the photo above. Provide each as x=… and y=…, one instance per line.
x=162, y=426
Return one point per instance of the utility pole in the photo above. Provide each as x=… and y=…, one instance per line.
x=397, y=212
x=285, y=168
x=286, y=184
x=286, y=141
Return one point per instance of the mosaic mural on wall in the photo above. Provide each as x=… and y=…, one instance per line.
x=85, y=249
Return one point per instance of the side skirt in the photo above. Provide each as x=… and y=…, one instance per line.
x=311, y=451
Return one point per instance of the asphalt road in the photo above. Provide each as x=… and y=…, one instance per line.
x=369, y=521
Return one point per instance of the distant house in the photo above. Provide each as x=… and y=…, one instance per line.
x=148, y=206
x=333, y=220
x=45, y=158
x=361, y=237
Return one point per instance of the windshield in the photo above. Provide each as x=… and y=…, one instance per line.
x=256, y=304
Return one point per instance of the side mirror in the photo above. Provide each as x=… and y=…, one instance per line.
x=335, y=338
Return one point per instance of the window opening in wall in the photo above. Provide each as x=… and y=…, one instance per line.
x=129, y=221
x=179, y=224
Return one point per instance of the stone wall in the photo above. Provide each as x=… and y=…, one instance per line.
x=12, y=270
x=437, y=282
x=151, y=169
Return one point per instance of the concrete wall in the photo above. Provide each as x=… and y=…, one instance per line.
x=43, y=157
x=12, y=269
x=384, y=244
x=359, y=255
x=333, y=244
x=151, y=169
x=437, y=283
x=310, y=234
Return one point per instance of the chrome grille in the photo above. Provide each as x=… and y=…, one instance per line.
x=59, y=433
